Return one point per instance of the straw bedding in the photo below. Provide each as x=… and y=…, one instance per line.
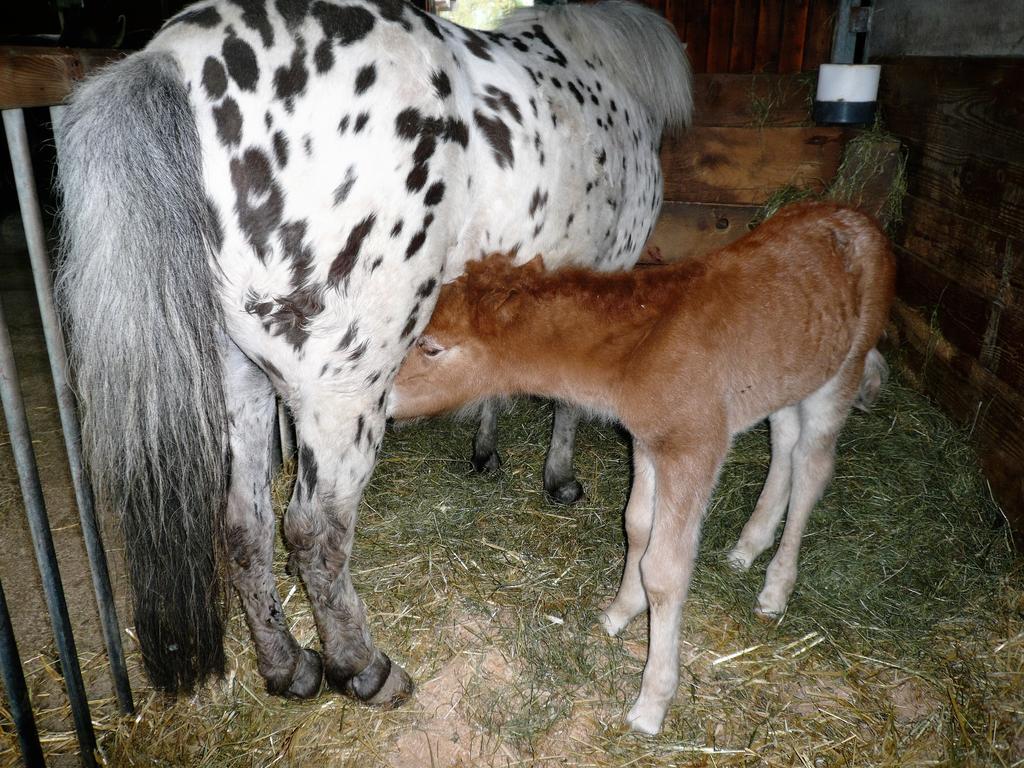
x=903, y=643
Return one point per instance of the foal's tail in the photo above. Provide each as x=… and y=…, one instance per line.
x=868, y=256
x=872, y=381
x=638, y=46
x=137, y=294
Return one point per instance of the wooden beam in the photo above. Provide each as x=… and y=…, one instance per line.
x=41, y=77
x=752, y=101
x=744, y=166
x=689, y=230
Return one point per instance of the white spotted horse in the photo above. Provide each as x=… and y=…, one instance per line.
x=266, y=200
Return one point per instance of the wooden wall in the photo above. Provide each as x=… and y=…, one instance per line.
x=745, y=36
x=960, y=308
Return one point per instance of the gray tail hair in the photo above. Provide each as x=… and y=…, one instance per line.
x=872, y=381
x=136, y=292
x=636, y=45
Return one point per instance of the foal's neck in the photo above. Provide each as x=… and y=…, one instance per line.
x=572, y=339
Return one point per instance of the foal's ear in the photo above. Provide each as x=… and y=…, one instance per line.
x=430, y=346
x=499, y=307
x=534, y=265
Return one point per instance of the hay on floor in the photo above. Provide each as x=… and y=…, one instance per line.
x=903, y=643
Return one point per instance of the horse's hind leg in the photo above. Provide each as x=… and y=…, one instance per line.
x=339, y=434
x=559, y=479
x=249, y=530
x=759, y=532
x=485, y=441
x=821, y=417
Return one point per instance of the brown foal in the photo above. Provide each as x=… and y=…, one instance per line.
x=780, y=324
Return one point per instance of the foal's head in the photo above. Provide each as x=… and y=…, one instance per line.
x=456, y=359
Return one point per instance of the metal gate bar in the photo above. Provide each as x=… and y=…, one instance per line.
x=42, y=542
x=17, y=691
x=17, y=141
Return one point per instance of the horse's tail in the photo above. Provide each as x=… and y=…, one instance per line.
x=136, y=291
x=638, y=46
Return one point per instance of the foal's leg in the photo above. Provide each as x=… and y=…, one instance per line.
x=485, y=442
x=249, y=530
x=759, y=532
x=684, y=484
x=559, y=480
x=630, y=599
x=339, y=434
x=821, y=417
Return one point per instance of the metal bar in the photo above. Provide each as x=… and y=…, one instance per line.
x=17, y=691
x=42, y=542
x=17, y=141
x=844, y=43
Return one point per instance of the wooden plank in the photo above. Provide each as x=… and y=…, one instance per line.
x=688, y=230
x=744, y=36
x=40, y=77
x=698, y=24
x=959, y=179
x=991, y=331
x=977, y=400
x=794, y=33
x=720, y=24
x=745, y=165
x=769, y=32
x=968, y=251
x=657, y=6
x=975, y=103
x=675, y=12
x=963, y=121
x=728, y=100
x=820, y=31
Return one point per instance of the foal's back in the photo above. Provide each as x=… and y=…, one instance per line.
x=772, y=317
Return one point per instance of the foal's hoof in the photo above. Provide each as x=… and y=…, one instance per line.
x=309, y=674
x=381, y=684
x=566, y=492
x=767, y=615
x=739, y=561
x=486, y=462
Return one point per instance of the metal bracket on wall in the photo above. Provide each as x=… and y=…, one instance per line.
x=853, y=25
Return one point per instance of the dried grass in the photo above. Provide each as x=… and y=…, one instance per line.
x=872, y=175
x=903, y=643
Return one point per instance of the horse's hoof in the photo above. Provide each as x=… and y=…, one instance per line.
x=382, y=684
x=486, y=462
x=568, y=492
x=309, y=674
x=304, y=681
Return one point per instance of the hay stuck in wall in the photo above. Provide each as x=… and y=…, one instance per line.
x=872, y=177
x=903, y=643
